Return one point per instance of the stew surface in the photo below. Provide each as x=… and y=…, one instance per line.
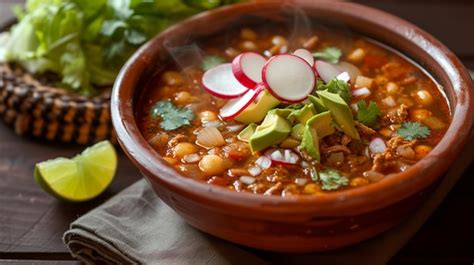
x=397, y=111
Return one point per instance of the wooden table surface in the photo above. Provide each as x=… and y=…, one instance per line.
x=32, y=222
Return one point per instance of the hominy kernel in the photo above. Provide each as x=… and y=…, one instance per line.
x=420, y=114
x=311, y=188
x=279, y=41
x=182, y=149
x=423, y=97
x=362, y=81
x=212, y=165
x=392, y=88
x=356, y=55
x=183, y=98
x=422, y=150
x=248, y=34
x=248, y=46
x=357, y=182
x=170, y=160
x=207, y=116
x=172, y=78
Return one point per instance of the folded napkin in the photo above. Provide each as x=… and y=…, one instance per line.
x=136, y=227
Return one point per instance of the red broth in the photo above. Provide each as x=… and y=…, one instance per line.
x=405, y=95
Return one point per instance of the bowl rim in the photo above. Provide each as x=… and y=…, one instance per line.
x=387, y=191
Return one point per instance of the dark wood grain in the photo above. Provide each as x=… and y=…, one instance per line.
x=32, y=222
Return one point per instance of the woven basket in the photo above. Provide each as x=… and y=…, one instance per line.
x=34, y=108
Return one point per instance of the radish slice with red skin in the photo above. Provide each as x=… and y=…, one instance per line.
x=326, y=71
x=221, y=82
x=288, y=78
x=247, y=68
x=282, y=156
x=235, y=106
x=305, y=55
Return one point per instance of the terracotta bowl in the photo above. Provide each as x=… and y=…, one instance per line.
x=312, y=223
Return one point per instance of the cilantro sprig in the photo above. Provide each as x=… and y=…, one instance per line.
x=172, y=116
x=413, y=130
x=368, y=115
x=330, y=55
x=332, y=179
x=337, y=87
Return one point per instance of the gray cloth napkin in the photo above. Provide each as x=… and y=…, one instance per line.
x=136, y=227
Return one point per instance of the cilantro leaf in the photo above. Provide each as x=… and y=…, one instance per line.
x=368, y=115
x=330, y=55
x=172, y=116
x=332, y=180
x=337, y=87
x=210, y=61
x=413, y=130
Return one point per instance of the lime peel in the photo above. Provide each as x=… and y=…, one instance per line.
x=81, y=178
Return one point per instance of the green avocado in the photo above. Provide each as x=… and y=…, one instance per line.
x=310, y=143
x=284, y=113
x=297, y=131
x=340, y=112
x=304, y=114
x=322, y=123
x=246, y=133
x=273, y=130
x=256, y=111
x=317, y=103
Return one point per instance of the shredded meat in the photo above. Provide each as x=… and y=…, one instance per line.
x=338, y=148
x=387, y=158
x=272, y=190
x=345, y=140
x=178, y=139
x=364, y=130
x=396, y=116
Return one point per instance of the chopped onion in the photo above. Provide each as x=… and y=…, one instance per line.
x=255, y=171
x=247, y=180
x=377, y=145
x=210, y=137
x=263, y=162
x=355, y=107
x=211, y=124
x=191, y=158
x=304, y=164
x=300, y=181
x=235, y=128
x=361, y=92
x=389, y=102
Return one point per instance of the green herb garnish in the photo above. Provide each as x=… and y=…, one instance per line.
x=330, y=55
x=172, y=116
x=368, y=115
x=210, y=61
x=332, y=180
x=337, y=87
x=413, y=130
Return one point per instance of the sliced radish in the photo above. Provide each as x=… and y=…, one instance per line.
x=235, y=106
x=247, y=68
x=282, y=156
x=306, y=55
x=288, y=78
x=344, y=76
x=221, y=82
x=326, y=71
x=361, y=92
x=350, y=68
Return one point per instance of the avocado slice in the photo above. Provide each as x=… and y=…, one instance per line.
x=317, y=103
x=340, y=112
x=304, y=114
x=284, y=113
x=297, y=131
x=322, y=123
x=246, y=133
x=310, y=143
x=256, y=111
x=273, y=130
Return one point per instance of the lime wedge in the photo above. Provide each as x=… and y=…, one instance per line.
x=81, y=178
